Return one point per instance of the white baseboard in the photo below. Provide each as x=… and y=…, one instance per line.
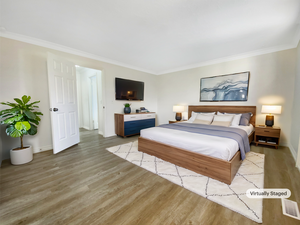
x=293, y=151
x=110, y=135
x=42, y=148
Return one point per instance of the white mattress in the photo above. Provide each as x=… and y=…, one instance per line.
x=218, y=147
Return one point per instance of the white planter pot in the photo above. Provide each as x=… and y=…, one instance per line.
x=18, y=157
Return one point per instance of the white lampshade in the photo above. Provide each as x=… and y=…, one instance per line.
x=272, y=109
x=178, y=108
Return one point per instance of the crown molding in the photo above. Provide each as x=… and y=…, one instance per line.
x=232, y=58
x=62, y=48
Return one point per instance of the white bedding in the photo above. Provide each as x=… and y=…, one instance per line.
x=218, y=147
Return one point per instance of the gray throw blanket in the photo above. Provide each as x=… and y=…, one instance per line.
x=239, y=135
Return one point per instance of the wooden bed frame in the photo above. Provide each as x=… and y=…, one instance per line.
x=215, y=168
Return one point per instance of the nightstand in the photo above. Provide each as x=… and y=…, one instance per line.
x=267, y=136
x=175, y=121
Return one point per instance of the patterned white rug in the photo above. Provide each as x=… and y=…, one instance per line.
x=250, y=175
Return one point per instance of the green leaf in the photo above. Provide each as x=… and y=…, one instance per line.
x=24, y=125
x=26, y=99
x=9, y=120
x=19, y=101
x=6, y=115
x=30, y=114
x=12, y=119
x=34, y=121
x=4, y=111
x=9, y=104
x=33, y=103
x=32, y=130
x=10, y=129
x=15, y=110
x=38, y=113
x=16, y=133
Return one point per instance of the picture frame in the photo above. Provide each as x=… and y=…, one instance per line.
x=222, y=88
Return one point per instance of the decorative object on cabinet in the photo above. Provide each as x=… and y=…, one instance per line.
x=230, y=87
x=267, y=135
x=178, y=109
x=271, y=109
x=127, y=108
x=131, y=124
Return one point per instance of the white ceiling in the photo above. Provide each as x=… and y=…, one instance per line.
x=158, y=35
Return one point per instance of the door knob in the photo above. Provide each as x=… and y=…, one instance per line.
x=55, y=109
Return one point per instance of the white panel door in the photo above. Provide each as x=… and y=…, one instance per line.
x=63, y=103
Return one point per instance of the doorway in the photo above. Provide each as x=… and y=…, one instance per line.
x=94, y=102
x=90, y=92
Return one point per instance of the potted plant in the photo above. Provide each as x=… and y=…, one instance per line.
x=21, y=119
x=127, y=108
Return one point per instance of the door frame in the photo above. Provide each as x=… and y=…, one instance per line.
x=298, y=157
x=100, y=79
x=91, y=96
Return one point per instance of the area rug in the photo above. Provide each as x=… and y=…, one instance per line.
x=250, y=175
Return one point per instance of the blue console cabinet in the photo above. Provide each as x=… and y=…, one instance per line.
x=131, y=124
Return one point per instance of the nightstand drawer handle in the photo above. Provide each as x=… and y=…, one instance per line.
x=267, y=131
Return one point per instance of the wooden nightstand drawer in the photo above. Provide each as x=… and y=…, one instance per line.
x=267, y=136
x=269, y=132
x=174, y=121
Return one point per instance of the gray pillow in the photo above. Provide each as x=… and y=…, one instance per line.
x=245, y=119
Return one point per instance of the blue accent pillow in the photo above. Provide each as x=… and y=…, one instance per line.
x=245, y=119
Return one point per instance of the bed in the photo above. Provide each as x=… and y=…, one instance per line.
x=216, y=168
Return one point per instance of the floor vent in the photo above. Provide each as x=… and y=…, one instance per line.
x=290, y=208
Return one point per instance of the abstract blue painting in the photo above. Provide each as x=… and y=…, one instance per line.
x=231, y=87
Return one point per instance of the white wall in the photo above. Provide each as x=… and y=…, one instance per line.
x=24, y=71
x=271, y=82
x=295, y=120
x=83, y=84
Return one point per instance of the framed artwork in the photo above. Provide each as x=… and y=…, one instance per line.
x=230, y=87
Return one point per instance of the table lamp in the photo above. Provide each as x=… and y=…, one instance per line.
x=271, y=109
x=178, y=109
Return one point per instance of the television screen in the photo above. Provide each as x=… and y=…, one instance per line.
x=129, y=89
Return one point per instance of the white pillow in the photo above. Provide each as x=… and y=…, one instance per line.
x=236, y=118
x=202, y=117
x=226, y=118
x=202, y=121
x=194, y=115
x=222, y=120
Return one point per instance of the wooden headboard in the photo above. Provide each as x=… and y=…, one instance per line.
x=224, y=108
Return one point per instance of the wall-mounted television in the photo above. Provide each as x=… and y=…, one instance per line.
x=129, y=89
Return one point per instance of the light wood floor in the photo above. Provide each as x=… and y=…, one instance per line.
x=88, y=185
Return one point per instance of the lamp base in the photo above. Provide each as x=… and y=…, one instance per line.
x=178, y=116
x=269, y=120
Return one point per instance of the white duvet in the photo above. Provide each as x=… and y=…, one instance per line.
x=218, y=147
